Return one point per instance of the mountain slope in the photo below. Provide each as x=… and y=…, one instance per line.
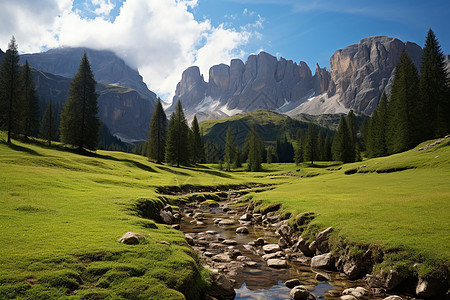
x=358, y=75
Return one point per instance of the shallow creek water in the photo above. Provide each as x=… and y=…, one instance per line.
x=261, y=281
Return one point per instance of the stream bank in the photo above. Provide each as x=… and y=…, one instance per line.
x=260, y=253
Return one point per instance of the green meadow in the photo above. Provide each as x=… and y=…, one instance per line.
x=61, y=214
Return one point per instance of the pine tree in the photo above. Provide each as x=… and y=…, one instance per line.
x=197, y=148
x=29, y=102
x=434, y=92
x=255, y=145
x=320, y=146
x=177, y=146
x=310, y=151
x=9, y=89
x=157, y=134
x=47, y=129
x=299, y=150
x=341, y=143
x=353, y=130
x=403, y=108
x=229, y=148
x=328, y=142
x=237, y=162
x=364, y=129
x=79, y=125
x=376, y=135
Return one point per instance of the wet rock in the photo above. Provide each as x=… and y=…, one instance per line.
x=430, y=287
x=229, y=242
x=176, y=226
x=353, y=270
x=212, y=232
x=357, y=292
x=243, y=230
x=393, y=279
x=322, y=240
x=291, y=283
x=243, y=258
x=221, y=287
x=259, y=242
x=251, y=264
x=322, y=277
x=373, y=281
x=277, y=263
x=222, y=257
x=298, y=293
x=324, y=261
x=131, y=238
x=208, y=254
x=312, y=247
x=348, y=297
x=246, y=217
x=268, y=256
x=217, y=221
x=283, y=243
x=234, y=253
x=302, y=246
x=168, y=208
x=270, y=248
x=166, y=217
x=257, y=218
x=394, y=297
x=226, y=222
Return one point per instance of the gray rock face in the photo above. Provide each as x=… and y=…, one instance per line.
x=221, y=287
x=362, y=71
x=324, y=261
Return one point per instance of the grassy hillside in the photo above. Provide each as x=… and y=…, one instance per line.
x=61, y=215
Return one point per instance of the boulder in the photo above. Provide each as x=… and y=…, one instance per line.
x=291, y=283
x=430, y=287
x=302, y=246
x=357, y=292
x=348, y=297
x=222, y=257
x=270, y=248
x=393, y=279
x=176, y=226
x=394, y=297
x=299, y=293
x=131, y=238
x=225, y=222
x=373, y=281
x=277, y=263
x=353, y=270
x=324, y=261
x=221, y=287
x=229, y=242
x=268, y=256
x=246, y=217
x=259, y=241
x=166, y=217
x=322, y=240
x=189, y=239
x=322, y=277
x=283, y=243
x=243, y=230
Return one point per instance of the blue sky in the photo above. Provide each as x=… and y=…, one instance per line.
x=161, y=38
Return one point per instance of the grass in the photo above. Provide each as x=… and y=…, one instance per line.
x=61, y=215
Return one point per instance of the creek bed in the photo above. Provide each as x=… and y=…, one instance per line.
x=257, y=281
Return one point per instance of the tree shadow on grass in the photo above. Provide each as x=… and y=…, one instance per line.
x=23, y=149
x=130, y=162
x=209, y=171
x=176, y=172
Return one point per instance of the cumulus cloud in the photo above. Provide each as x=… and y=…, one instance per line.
x=160, y=38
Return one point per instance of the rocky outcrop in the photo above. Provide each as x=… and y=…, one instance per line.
x=361, y=72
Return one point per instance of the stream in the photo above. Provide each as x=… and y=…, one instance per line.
x=251, y=276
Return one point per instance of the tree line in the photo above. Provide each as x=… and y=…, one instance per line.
x=418, y=108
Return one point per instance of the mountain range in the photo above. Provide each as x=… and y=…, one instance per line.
x=357, y=77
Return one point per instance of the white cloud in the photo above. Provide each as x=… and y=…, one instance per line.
x=160, y=38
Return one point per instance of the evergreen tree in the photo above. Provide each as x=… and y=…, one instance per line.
x=237, y=162
x=364, y=129
x=376, y=136
x=328, y=142
x=270, y=155
x=157, y=134
x=29, y=102
x=47, y=129
x=9, y=89
x=341, y=143
x=197, y=149
x=229, y=149
x=299, y=150
x=79, y=125
x=353, y=130
x=177, y=147
x=403, y=108
x=284, y=151
x=434, y=88
x=211, y=153
x=255, y=146
x=320, y=146
x=310, y=151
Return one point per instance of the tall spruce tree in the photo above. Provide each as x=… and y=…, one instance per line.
x=177, y=146
x=47, y=129
x=434, y=91
x=298, y=158
x=157, y=135
x=320, y=146
x=376, y=135
x=310, y=147
x=29, y=102
x=353, y=130
x=229, y=148
x=341, y=148
x=255, y=146
x=404, y=107
x=9, y=90
x=79, y=125
x=197, y=148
